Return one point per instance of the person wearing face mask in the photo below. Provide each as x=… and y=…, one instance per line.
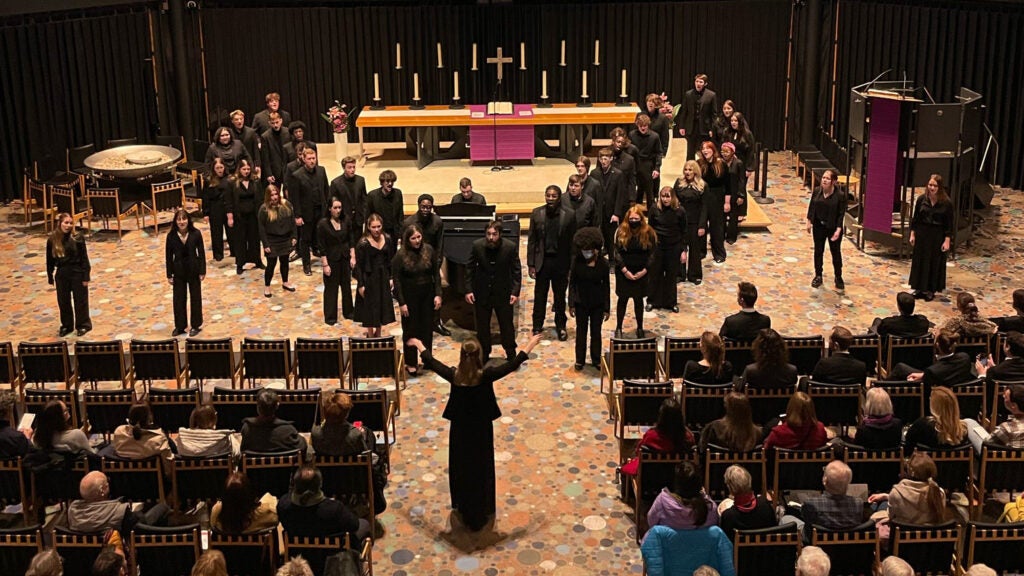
x=307, y=188
x=635, y=246
x=433, y=235
x=337, y=237
x=272, y=151
x=494, y=275
x=185, y=258
x=351, y=189
x=589, y=294
x=68, y=268
x=548, y=251
x=417, y=276
x=669, y=222
x=228, y=149
x=580, y=203
x=218, y=186
x=690, y=191
x=825, y=215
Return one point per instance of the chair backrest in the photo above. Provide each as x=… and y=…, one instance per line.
x=633, y=359
x=739, y=353
x=1002, y=468
x=104, y=202
x=917, y=352
x=348, y=476
x=975, y=345
x=971, y=396
x=372, y=358
x=101, y=362
x=639, y=402
x=58, y=482
x=139, y=480
x=176, y=142
x=373, y=408
x=835, y=404
x=319, y=359
x=907, y=398
x=114, y=143
x=210, y=360
x=155, y=360
x=955, y=466
x=797, y=469
x=852, y=552
x=302, y=407
x=928, y=549
x=12, y=484
x=18, y=546
x=248, y=554
x=266, y=359
x=766, y=551
x=200, y=479
x=43, y=362
x=767, y=404
x=805, y=352
x=703, y=403
x=998, y=410
x=8, y=371
x=168, y=196
x=233, y=406
x=315, y=549
x=77, y=156
x=678, y=351
x=718, y=459
x=173, y=408
x=656, y=471
x=270, y=472
x=107, y=409
x=78, y=550
x=35, y=400
x=867, y=349
x=164, y=552
x=63, y=199
x=998, y=546
x=879, y=469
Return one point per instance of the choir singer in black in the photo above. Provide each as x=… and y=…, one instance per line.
x=825, y=222
x=494, y=274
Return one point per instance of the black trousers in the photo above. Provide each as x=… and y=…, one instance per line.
x=608, y=231
x=662, y=286
x=245, y=242
x=419, y=323
x=588, y=319
x=69, y=286
x=482, y=319
x=822, y=234
x=218, y=219
x=645, y=182
x=307, y=239
x=732, y=221
x=341, y=277
x=694, y=253
x=185, y=289
x=272, y=261
x=693, y=142
x=550, y=276
x=714, y=200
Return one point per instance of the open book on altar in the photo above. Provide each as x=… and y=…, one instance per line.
x=499, y=108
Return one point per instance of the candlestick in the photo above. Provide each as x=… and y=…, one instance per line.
x=456, y=104
x=584, y=93
x=440, y=61
x=544, y=84
x=456, y=81
x=474, y=57
x=584, y=101
x=416, y=86
x=376, y=86
x=398, y=56
x=597, y=52
x=623, y=93
x=522, y=55
x=562, y=61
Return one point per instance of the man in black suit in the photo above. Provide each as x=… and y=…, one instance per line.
x=613, y=201
x=307, y=191
x=624, y=158
x=1013, y=323
x=840, y=367
x=950, y=367
x=495, y=276
x=745, y=324
x=580, y=203
x=904, y=325
x=1011, y=369
x=467, y=195
x=274, y=158
x=698, y=111
x=591, y=187
x=351, y=188
x=261, y=121
x=248, y=137
x=548, y=255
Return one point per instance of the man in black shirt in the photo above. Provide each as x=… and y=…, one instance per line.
x=1015, y=323
x=624, y=158
x=297, y=131
x=466, y=194
x=591, y=187
x=274, y=160
x=648, y=159
x=494, y=275
x=613, y=198
x=580, y=203
x=548, y=255
x=840, y=367
x=906, y=324
x=261, y=121
x=698, y=111
x=745, y=324
x=386, y=202
x=248, y=137
x=351, y=188
x=307, y=191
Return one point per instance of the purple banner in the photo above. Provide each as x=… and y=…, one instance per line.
x=883, y=170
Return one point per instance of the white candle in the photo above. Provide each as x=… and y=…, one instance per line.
x=416, y=86
x=623, y=94
x=474, y=56
x=456, y=97
x=544, y=84
x=584, y=94
x=522, y=55
x=440, y=62
x=597, y=52
x=562, y=62
x=398, y=56
x=376, y=86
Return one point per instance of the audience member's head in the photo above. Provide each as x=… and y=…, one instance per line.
x=203, y=418
x=877, y=403
x=905, y=303
x=945, y=411
x=1015, y=344
x=140, y=418
x=945, y=342
x=46, y=563
x=297, y=566
x=1013, y=398
x=738, y=480
x=306, y=486
x=671, y=423
x=813, y=562
x=94, y=487
x=7, y=401
x=712, y=350
x=921, y=468
x=688, y=486
x=1018, y=301
x=837, y=477
x=894, y=566
x=800, y=410
x=980, y=570
x=109, y=563
x=770, y=350
x=337, y=408
x=747, y=294
x=211, y=563
x=962, y=300
x=54, y=419
x=740, y=433
x=841, y=339
x=237, y=504
x=266, y=403
x=705, y=571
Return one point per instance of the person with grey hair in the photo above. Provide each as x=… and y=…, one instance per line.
x=46, y=563
x=834, y=509
x=980, y=570
x=894, y=566
x=297, y=566
x=12, y=442
x=813, y=561
x=266, y=432
x=705, y=571
x=879, y=429
x=96, y=511
x=748, y=512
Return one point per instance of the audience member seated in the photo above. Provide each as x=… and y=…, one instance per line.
x=668, y=436
x=240, y=511
x=736, y=430
x=1011, y=369
x=53, y=431
x=305, y=511
x=97, y=512
x=743, y=509
x=879, y=429
x=712, y=368
x=110, y=562
x=813, y=561
x=268, y=433
x=668, y=552
x=745, y=324
x=893, y=566
x=1009, y=433
x=295, y=567
x=840, y=367
x=917, y=498
x=705, y=570
x=980, y=570
x=800, y=429
x=46, y=563
x=140, y=438
x=942, y=428
x=906, y=324
x=967, y=322
x=1016, y=322
x=771, y=367
x=12, y=442
x=211, y=563
x=950, y=367
x=202, y=438
x=833, y=509
x=686, y=506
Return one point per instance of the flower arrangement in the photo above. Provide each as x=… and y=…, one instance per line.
x=337, y=118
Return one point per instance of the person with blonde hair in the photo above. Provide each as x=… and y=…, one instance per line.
x=689, y=189
x=980, y=570
x=669, y=222
x=895, y=566
x=879, y=429
x=297, y=566
x=211, y=563
x=800, y=429
x=68, y=269
x=635, y=246
x=46, y=563
x=917, y=498
x=942, y=428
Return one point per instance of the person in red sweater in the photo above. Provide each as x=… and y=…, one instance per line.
x=800, y=430
x=669, y=436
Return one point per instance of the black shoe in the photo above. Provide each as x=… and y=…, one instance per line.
x=649, y=307
x=307, y=270
x=928, y=297
x=216, y=259
x=618, y=332
x=193, y=332
x=816, y=283
x=260, y=266
x=238, y=270
x=596, y=365
x=288, y=288
x=440, y=329
x=675, y=309
x=64, y=332
x=562, y=335
x=840, y=285
x=719, y=261
x=730, y=242
x=177, y=333
x=697, y=282
x=577, y=367
x=82, y=331
x=330, y=322
x=640, y=333
x=918, y=295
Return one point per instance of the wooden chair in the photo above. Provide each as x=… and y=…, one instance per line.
x=766, y=551
x=654, y=472
x=160, y=551
x=199, y=479
x=955, y=469
x=172, y=407
x=139, y=480
x=804, y=352
x=629, y=359
x=106, y=205
x=971, y=396
x=8, y=368
x=97, y=362
x=57, y=484
x=270, y=472
x=319, y=359
x=34, y=400
x=12, y=487
x=164, y=197
x=638, y=404
x=347, y=478
x=316, y=549
x=155, y=360
x=44, y=363
x=678, y=351
x=64, y=201
x=907, y=398
x=975, y=345
x=373, y=408
x=797, y=470
x=879, y=469
x=717, y=460
x=210, y=360
x=767, y=404
x=78, y=550
x=739, y=353
x=376, y=358
x=1002, y=469
x=917, y=352
x=997, y=409
x=998, y=546
x=835, y=404
x=37, y=200
x=301, y=407
x=107, y=409
x=928, y=549
x=853, y=552
x=18, y=546
x=76, y=163
x=233, y=406
x=266, y=359
x=248, y=554
x=703, y=403
x=867, y=349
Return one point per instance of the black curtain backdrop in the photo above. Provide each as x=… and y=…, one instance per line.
x=943, y=46
x=314, y=55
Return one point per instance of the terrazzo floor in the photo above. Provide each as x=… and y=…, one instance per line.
x=558, y=506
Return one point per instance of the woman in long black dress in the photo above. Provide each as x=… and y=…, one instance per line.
x=240, y=204
x=417, y=276
x=337, y=258
x=215, y=193
x=931, y=231
x=690, y=191
x=278, y=235
x=373, y=277
x=635, y=245
x=185, y=256
x=68, y=269
x=669, y=222
x=717, y=196
x=471, y=408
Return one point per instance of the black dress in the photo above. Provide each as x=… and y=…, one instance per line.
x=931, y=225
x=634, y=258
x=700, y=374
x=417, y=283
x=279, y=234
x=692, y=201
x=373, y=272
x=471, y=410
x=241, y=202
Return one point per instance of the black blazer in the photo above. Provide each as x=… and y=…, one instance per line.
x=698, y=111
x=497, y=281
x=261, y=120
x=840, y=368
x=613, y=199
x=585, y=209
x=535, y=242
x=273, y=157
x=307, y=192
x=185, y=260
x=1009, y=370
x=754, y=377
x=336, y=245
x=353, y=198
x=744, y=325
x=904, y=326
x=948, y=371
